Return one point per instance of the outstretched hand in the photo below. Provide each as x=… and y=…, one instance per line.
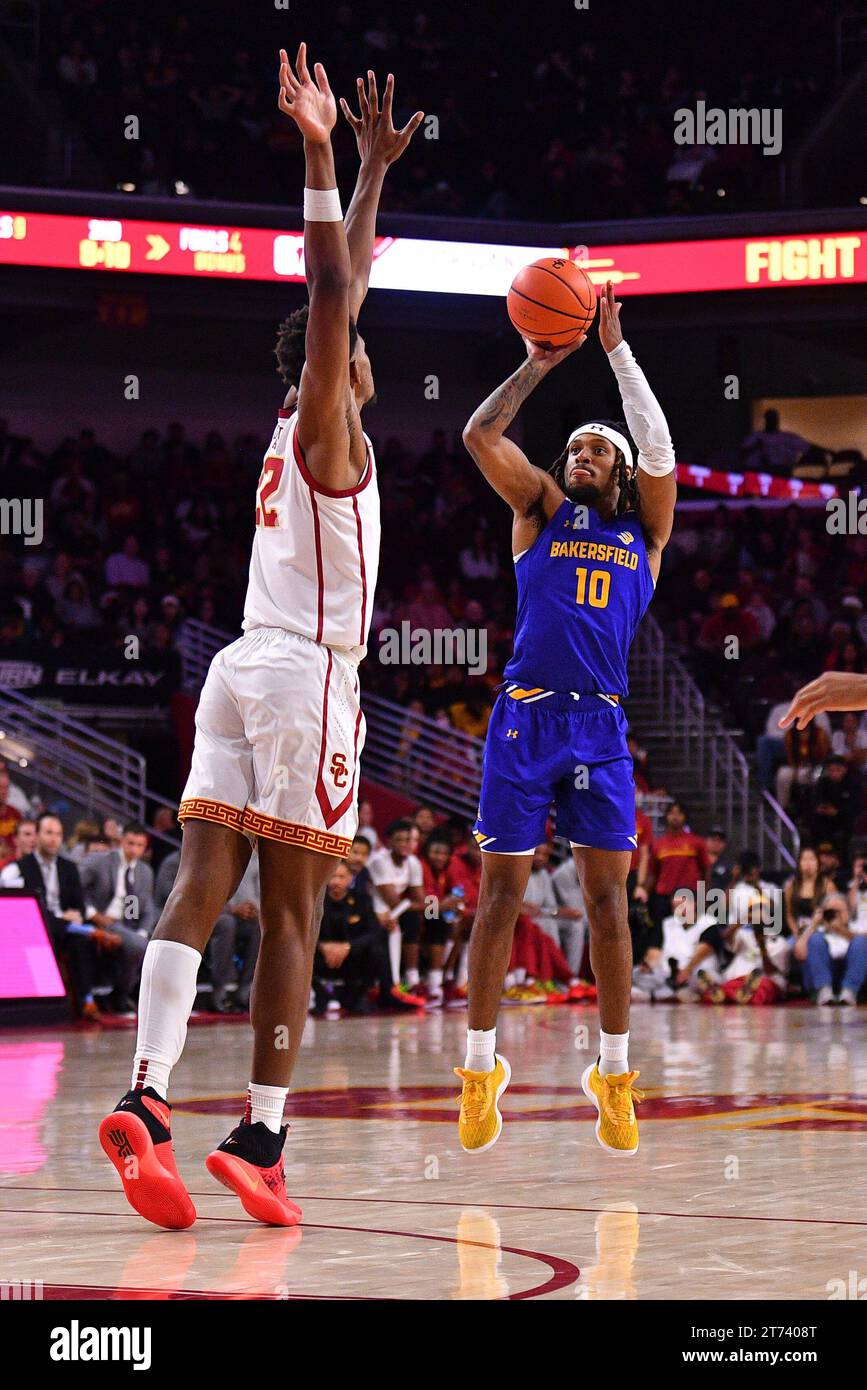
x=610, y=332
x=552, y=357
x=310, y=104
x=833, y=690
x=378, y=141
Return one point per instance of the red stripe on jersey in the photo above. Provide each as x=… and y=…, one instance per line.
x=320, y=597
x=331, y=814
x=320, y=487
x=363, y=571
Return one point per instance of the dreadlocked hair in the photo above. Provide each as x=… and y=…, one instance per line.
x=627, y=501
x=291, y=345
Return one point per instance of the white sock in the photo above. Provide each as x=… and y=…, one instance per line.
x=613, y=1053
x=411, y=978
x=481, y=1044
x=165, y=1002
x=435, y=981
x=266, y=1103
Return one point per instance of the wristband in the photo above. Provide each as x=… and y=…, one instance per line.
x=322, y=205
x=658, y=468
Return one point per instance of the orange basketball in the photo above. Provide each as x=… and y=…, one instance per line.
x=551, y=302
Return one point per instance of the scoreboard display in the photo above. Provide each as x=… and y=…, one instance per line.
x=144, y=247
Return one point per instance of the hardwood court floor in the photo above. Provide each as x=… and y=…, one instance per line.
x=749, y=1183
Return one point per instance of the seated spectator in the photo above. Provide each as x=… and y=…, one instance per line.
x=56, y=881
x=472, y=714
x=126, y=567
x=538, y=971
x=11, y=794
x=857, y=894
x=721, y=860
x=443, y=913
x=691, y=953
x=118, y=890
x=10, y=817
x=771, y=745
x=834, y=802
x=805, y=752
x=831, y=866
x=730, y=633
x=479, y=559
x=352, y=952
x=359, y=854
x=564, y=924
x=23, y=840
x=850, y=741
x=398, y=900
x=833, y=951
x=570, y=895
x=83, y=833
x=758, y=970
x=75, y=609
x=366, y=826
x=804, y=892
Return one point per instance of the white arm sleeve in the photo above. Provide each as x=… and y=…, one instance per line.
x=643, y=413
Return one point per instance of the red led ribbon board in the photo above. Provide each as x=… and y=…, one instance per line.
x=136, y=246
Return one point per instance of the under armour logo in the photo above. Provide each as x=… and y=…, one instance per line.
x=511, y=733
x=626, y=537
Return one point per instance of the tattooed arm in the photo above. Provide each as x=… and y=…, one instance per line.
x=531, y=493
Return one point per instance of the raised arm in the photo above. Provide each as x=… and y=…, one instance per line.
x=327, y=415
x=379, y=145
x=530, y=492
x=657, y=485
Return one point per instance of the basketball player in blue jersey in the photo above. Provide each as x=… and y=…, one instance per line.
x=587, y=538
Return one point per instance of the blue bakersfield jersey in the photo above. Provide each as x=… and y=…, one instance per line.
x=583, y=588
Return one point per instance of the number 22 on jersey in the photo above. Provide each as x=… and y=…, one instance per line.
x=269, y=481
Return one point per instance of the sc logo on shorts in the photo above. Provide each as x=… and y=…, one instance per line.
x=339, y=771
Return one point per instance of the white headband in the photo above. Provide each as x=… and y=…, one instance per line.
x=607, y=433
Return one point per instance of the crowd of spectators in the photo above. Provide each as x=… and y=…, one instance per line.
x=756, y=600
x=586, y=101
x=707, y=924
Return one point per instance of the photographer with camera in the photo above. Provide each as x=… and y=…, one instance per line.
x=833, y=950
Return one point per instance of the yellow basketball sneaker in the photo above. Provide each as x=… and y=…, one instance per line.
x=480, y=1121
x=613, y=1096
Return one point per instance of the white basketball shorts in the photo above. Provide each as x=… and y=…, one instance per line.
x=279, y=734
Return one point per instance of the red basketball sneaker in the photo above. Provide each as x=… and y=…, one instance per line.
x=250, y=1164
x=137, y=1138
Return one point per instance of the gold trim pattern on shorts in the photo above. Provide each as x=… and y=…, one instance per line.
x=220, y=812
x=289, y=833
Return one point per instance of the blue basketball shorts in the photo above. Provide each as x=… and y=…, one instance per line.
x=544, y=748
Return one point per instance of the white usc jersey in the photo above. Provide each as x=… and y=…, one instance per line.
x=316, y=551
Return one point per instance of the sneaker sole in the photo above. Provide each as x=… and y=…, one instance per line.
x=500, y=1089
x=591, y=1095
x=156, y=1194
x=252, y=1191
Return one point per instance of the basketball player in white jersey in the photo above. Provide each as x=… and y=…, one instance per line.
x=279, y=728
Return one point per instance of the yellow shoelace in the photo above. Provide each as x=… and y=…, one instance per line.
x=474, y=1100
x=617, y=1101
